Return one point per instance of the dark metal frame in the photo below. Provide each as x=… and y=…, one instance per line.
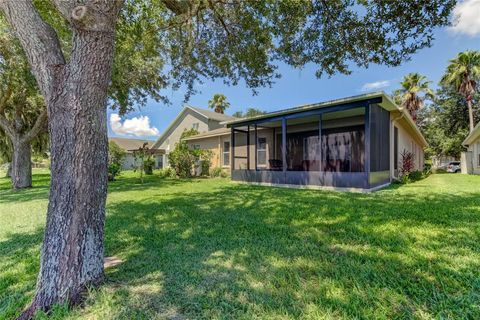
x=336, y=179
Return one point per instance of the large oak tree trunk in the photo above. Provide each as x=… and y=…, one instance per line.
x=72, y=252
x=21, y=173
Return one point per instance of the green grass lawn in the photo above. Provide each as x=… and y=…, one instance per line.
x=212, y=249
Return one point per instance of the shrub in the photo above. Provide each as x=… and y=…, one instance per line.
x=415, y=176
x=407, y=162
x=183, y=159
x=114, y=170
x=167, y=173
x=223, y=174
x=206, y=157
x=115, y=158
x=148, y=165
x=216, y=172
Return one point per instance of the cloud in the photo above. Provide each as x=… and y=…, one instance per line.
x=466, y=18
x=139, y=127
x=375, y=85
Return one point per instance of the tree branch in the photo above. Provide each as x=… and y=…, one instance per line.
x=176, y=6
x=91, y=15
x=4, y=99
x=38, y=127
x=38, y=39
x=7, y=127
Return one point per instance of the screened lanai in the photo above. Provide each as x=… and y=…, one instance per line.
x=344, y=144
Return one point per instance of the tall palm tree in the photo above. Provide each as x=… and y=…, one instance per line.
x=463, y=73
x=414, y=90
x=219, y=103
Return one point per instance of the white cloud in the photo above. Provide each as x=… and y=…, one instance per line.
x=466, y=18
x=375, y=85
x=139, y=127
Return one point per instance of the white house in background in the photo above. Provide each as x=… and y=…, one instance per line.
x=128, y=145
x=189, y=118
x=471, y=158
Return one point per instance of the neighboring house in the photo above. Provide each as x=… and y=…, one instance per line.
x=129, y=145
x=189, y=118
x=471, y=159
x=354, y=143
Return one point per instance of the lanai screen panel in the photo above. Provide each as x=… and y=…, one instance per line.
x=343, y=141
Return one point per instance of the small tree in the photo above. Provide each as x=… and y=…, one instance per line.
x=140, y=155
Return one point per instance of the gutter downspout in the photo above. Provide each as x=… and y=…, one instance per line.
x=392, y=143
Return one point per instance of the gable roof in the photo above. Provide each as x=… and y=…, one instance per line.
x=212, y=115
x=130, y=144
x=474, y=135
x=206, y=114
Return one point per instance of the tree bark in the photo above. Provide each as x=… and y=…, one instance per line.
x=21, y=173
x=470, y=114
x=76, y=98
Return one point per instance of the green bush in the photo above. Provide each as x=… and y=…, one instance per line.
x=114, y=170
x=415, y=175
x=115, y=158
x=148, y=165
x=216, y=172
x=167, y=173
x=183, y=159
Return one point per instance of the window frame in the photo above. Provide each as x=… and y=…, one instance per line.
x=196, y=126
x=262, y=165
x=226, y=151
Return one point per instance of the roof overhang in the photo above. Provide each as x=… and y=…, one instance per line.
x=473, y=136
x=380, y=98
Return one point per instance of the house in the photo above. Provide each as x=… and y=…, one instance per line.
x=129, y=145
x=189, y=118
x=470, y=160
x=350, y=143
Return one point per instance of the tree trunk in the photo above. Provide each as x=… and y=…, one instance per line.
x=72, y=252
x=470, y=114
x=21, y=174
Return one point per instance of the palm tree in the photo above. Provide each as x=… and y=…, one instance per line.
x=414, y=90
x=462, y=73
x=219, y=103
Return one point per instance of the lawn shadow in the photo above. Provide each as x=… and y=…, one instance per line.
x=41, y=185
x=243, y=251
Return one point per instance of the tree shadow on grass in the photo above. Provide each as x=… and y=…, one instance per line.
x=239, y=251
x=41, y=184
x=248, y=251
x=19, y=262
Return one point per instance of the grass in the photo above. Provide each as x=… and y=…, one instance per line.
x=211, y=249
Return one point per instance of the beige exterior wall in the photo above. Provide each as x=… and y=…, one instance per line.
x=474, y=148
x=215, y=145
x=406, y=141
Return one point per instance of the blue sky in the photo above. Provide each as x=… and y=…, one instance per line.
x=301, y=86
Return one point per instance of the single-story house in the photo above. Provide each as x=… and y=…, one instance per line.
x=350, y=143
x=202, y=120
x=471, y=159
x=130, y=145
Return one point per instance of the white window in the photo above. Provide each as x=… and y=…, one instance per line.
x=195, y=126
x=226, y=153
x=168, y=144
x=262, y=151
